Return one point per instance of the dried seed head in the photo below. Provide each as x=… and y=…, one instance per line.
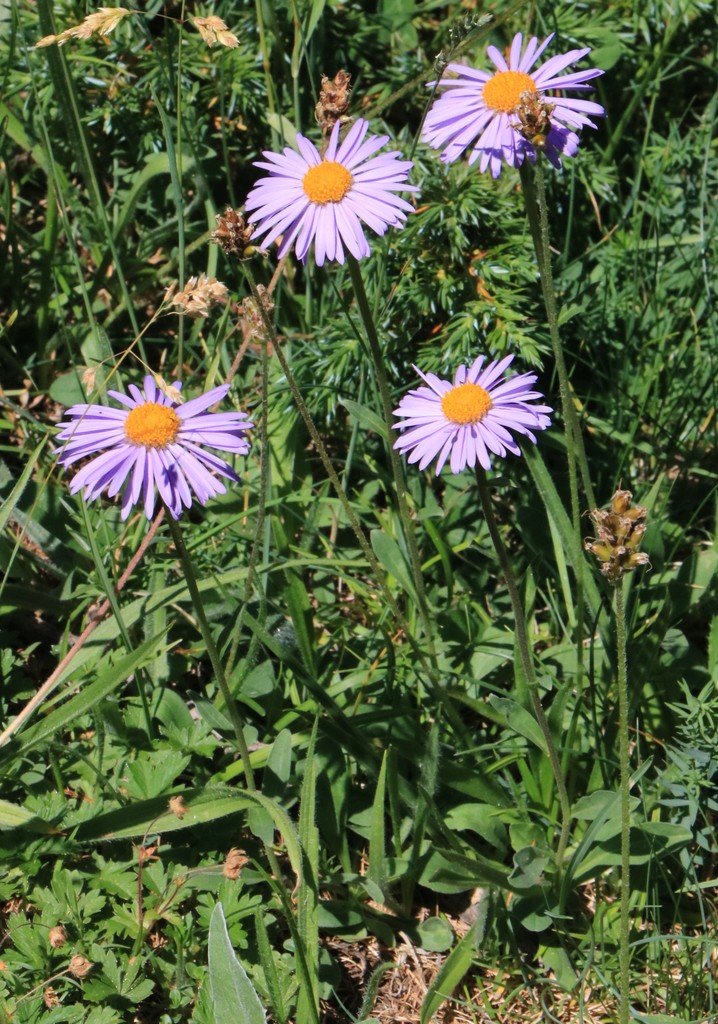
x=234, y=862
x=50, y=997
x=57, y=937
x=534, y=118
x=79, y=966
x=214, y=31
x=233, y=235
x=619, y=532
x=198, y=295
x=177, y=807
x=250, y=312
x=333, y=102
x=100, y=22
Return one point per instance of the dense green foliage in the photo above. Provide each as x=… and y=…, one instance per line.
x=386, y=790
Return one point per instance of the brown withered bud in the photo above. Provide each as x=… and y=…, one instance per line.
x=534, y=118
x=50, y=997
x=250, y=312
x=57, y=937
x=233, y=235
x=79, y=966
x=178, y=807
x=619, y=532
x=234, y=862
x=333, y=102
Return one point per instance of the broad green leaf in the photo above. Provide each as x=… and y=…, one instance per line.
x=13, y=816
x=377, y=840
x=456, y=965
x=391, y=558
x=234, y=998
x=519, y=720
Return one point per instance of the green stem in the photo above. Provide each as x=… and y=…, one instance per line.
x=624, y=981
x=218, y=668
x=537, y=210
x=525, y=653
x=346, y=505
x=396, y=467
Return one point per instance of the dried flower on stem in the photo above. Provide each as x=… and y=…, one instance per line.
x=233, y=863
x=198, y=294
x=619, y=532
x=333, y=102
x=252, y=315
x=233, y=235
x=534, y=118
x=214, y=31
x=100, y=22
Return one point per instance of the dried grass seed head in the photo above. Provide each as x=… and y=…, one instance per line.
x=619, y=532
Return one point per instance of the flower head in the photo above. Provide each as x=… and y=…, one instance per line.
x=198, y=295
x=100, y=22
x=484, y=109
x=213, y=30
x=619, y=532
x=324, y=199
x=153, y=444
x=471, y=417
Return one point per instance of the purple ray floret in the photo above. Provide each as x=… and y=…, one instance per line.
x=477, y=110
x=325, y=199
x=465, y=421
x=152, y=445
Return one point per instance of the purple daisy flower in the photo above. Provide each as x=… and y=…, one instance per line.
x=153, y=443
x=469, y=418
x=324, y=199
x=480, y=108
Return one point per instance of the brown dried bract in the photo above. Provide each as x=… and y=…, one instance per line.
x=50, y=997
x=534, y=118
x=619, y=532
x=233, y=235
x=57, y=937
x=79, y=966
x=251, y=313
x=234, y=862
x=333, y=102
x=177, y=807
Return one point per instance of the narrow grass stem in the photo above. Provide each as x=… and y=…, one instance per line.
x=396, y=467
x=624, y=978
x=534, y=187
x=217, y=667
x=526, y=655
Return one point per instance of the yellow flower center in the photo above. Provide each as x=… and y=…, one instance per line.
x=327, y=182
x=152, y=425
x=503, y=91
x=466, y=403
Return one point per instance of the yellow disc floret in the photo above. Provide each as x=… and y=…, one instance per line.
x=503, y=91
x=152, y=425
x=466, y=403
x=327, y=182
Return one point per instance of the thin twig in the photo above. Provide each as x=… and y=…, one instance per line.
x=51, y=682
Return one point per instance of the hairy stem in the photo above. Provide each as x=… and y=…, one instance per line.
x=217, y=666
x=396, y=467
x=624, y=979
x=525, y=653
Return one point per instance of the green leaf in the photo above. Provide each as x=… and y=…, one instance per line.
x=519, y=720
x=377, y=839
x=14, y=816
x=391, y=558
x=308, y=893
x=455, y=966
x=234, y=998
x=15, y=494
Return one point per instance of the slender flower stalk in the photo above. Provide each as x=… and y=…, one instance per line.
x=619, y=532
x=214, y=657
x=537, y=210
x=396, y=467
x=526, y=659
x=624, y=1009
x=354, y=523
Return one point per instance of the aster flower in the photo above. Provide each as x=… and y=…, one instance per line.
x=324, y=199
x=153, y=444
x=482, y=109
x=469, y=418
